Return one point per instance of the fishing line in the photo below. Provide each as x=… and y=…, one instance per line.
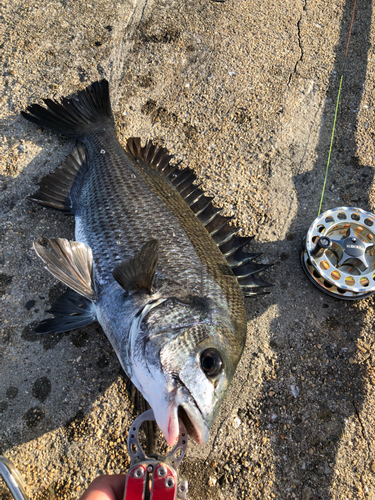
x=335, y=118
x=338, y=251
x=330, y=148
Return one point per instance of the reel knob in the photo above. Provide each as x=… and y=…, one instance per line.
x=322, y=244
x=338, y=254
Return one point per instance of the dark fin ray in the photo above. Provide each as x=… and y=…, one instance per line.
x=75, y=116
x=72, y=266
x=155, y=157
x=138, y=273
x=240, y=258
x=164, y=164
x=194, y=196
x=252, y=281
x=249, y=269
x=225, y=234
x=59, y=189
x=172, y=173
x=234, y=244
x=190, y=190
x=208, y=214
x=71, y=311
x=254, y=292
x=158, y=157
x=201, y=204
x=149, y=150
x=218, y=223
x=133, y=146
x=184, y=181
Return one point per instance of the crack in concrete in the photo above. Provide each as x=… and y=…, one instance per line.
x=123, y=42
x=144, y=9
x=300, y=59
x=363, y=430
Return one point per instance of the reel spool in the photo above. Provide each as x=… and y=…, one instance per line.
x=338, y=254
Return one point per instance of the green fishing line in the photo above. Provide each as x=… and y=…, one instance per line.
x=330, y=148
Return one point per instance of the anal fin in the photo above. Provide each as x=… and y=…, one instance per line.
x=58, y=189
x=71, y=311
x=72, y=265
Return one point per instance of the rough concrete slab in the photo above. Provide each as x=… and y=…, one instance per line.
x=244, y=92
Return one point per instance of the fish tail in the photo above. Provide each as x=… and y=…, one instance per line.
x=76, y=115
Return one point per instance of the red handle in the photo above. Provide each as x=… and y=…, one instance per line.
x=158, y=479
x=164, y=485
x=136, y=483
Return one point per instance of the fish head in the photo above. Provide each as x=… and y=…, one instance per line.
x=184, y=369
x=201, y=365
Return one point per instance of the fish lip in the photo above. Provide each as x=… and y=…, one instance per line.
x=194, y=423
x=190, y=414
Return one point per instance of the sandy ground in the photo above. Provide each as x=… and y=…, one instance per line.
x=244, y=92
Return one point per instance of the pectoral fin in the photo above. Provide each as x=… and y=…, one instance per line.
x=138, y=273
x=71, y=311
x=72, y=265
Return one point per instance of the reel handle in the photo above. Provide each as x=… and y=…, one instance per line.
x=322, y=244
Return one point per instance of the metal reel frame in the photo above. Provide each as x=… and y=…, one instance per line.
x=338, y=253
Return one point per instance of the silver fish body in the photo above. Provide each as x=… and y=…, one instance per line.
x=146, y=266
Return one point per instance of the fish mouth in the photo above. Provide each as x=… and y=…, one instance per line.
x=177, y=407
x=195, y=427
x=190, y=414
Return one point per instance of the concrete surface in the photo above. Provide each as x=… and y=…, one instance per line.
x=244, y=92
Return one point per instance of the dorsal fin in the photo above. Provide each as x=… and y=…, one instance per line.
x=138, y=273
x=224, y=235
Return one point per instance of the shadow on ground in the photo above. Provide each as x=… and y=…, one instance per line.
x=316, y=386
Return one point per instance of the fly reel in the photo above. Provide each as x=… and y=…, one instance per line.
x=338, y=253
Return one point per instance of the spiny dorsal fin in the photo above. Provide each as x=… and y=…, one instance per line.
x=70, y=311
x=72, y=266
x=224, y=235
x=251, y=285
x=57, y=190
x=138, y=273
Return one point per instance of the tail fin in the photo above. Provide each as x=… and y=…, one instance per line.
x=76, y=115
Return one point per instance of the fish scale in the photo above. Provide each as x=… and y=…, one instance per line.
x=110, y=183
x=149, y=264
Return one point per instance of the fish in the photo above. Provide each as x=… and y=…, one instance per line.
x=153, y=262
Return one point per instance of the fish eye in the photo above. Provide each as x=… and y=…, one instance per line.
x=211, y=362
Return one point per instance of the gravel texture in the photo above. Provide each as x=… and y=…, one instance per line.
x=244, y=92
